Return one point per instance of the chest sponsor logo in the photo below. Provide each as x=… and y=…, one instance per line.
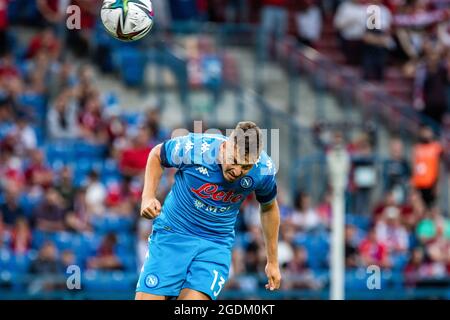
x=210, y=191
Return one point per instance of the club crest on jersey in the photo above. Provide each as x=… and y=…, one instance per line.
x=246, y=182
x=151, y=281
x=210, y=191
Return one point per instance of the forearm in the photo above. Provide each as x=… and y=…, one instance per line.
x=270, y=221
x=153, y=173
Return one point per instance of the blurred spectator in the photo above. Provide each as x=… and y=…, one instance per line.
x=153, y=123
x=68, y=258
x=426, y=161
x=413, y=210
x=391, y=232
x=37, y=172
x=376, y=43
x=431, y=83
x=47, y=260
x=78, y=220
x=254, y=252
x=95, y=194
x=45, y=42
x=61, y=78
x=414, y=269
x=11, y=210
x=144, y=231
x=433, y=225
x=351, y=21
x=62, y=118
x=86, y=84
x=45, y=269
x=309, y=23
x=10, y=167
x=79, y=40
x=134, y=159
x=298, y=273
x=50, y=214
x=24, y=136
x=363, y=176
x=128, y=192
x=8, y=67
x=304, y=217
x=65, y=187
x=388, y=201
x=410, y=33
x=285, y=249
x=106, y=258
x=53, y=11
x=251, y=212
x=437, y=252
x=21, y=237
x=92, y=127
x=237, y=278
x=324, y=209
x=274, y=24
x=396, y=171
x=351, y=247
x=374, y=252
x=116, y=130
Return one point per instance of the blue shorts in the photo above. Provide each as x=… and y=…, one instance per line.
x=176, y=261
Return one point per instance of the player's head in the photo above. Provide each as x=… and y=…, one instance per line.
x=241, y=151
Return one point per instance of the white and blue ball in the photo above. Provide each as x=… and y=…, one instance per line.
x=127, y=20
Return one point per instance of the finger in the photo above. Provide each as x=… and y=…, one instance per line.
x=155, y=210
x=271, y=283
x=149, y=213
x=156, y=206
x=277, y=283
x=145, y=215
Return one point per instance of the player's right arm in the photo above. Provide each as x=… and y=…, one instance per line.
x=150, y=206
x=174, y=153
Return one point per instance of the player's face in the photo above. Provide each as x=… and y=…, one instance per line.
x=234, y=168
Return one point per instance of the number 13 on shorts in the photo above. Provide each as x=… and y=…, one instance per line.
x=219, y=284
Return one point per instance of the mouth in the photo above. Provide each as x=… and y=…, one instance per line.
x=231, y=177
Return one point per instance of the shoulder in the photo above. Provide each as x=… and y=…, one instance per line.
x=209, y=137
x=265, y=165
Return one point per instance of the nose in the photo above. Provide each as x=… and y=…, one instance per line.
x=236, y=172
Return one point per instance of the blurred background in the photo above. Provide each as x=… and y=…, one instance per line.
x=80, y=111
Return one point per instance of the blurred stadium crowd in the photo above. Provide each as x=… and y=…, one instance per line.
x=71, y=160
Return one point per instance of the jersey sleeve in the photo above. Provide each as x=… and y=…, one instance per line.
x=177, y=152
x=266, y=191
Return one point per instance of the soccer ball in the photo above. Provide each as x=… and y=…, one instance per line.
x=127, y=20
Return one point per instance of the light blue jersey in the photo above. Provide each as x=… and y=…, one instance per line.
x=190, y=246
x=202, y=202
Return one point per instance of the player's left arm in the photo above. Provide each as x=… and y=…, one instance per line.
x=270, y=221
x=266, y=195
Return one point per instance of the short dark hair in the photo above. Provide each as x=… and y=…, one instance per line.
x=247, y=135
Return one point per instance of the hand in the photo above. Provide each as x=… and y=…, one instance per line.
x=150, y=208
x=273, y=275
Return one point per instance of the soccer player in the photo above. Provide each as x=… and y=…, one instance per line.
x=190, y=247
